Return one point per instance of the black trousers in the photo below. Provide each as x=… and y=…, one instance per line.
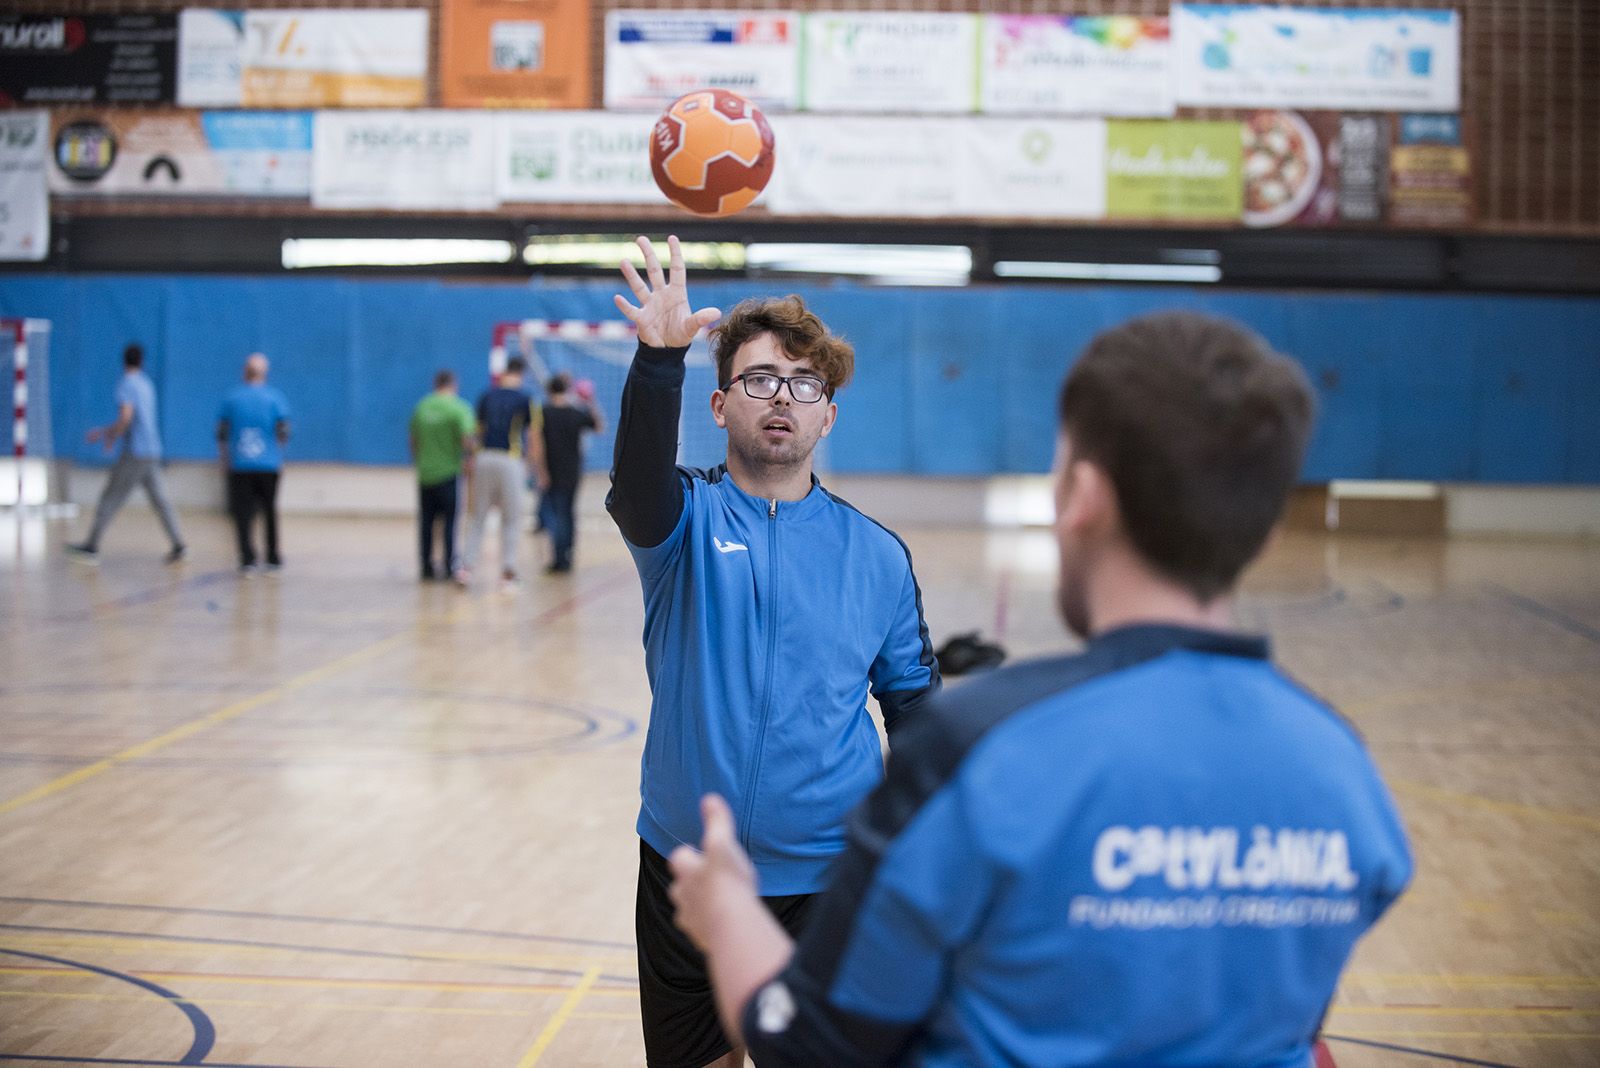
x=250, y=492
x=435, y=504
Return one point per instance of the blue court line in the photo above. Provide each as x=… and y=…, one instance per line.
x=1546, y=613
x=284, y=917
x=328, y=950
x=205, y=1035
x=128, y=1060
x=140, y=598
x=1435, y=1054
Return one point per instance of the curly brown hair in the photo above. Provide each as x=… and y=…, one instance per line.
x=801, y=335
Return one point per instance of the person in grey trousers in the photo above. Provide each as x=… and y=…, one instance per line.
x=138, y=464
x=510, y=450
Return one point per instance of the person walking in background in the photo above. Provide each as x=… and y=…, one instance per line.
x=443, y=434
x=252, y=428
x=139, y=462
x=510, y=448
x=564, y=427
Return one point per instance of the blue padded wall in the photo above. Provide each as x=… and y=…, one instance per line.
x=948, y=381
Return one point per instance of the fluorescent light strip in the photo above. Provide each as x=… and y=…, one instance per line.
x=897, y=264
x=392, y=251
x=1109, y=272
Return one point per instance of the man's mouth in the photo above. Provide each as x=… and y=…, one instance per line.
x=778, y=426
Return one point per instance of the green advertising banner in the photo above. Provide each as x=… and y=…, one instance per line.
x=1174, y=170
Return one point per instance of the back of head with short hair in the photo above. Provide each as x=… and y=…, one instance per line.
x=133, y=355
x=444, y=379
x=558, y=384
x=516, y=365
x=803, y=336
x=1201, y=428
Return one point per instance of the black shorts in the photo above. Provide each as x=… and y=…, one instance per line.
x=681, y=1029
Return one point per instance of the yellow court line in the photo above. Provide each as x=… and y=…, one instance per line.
x=195, y=726
x=1554, y=815
x=298, y=1006
x=1469, y=980
x=551, y=1029
x=532, y=989
x=120, y=943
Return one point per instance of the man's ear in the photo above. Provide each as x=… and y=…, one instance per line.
x=828, y=419
x=718, y=399
x=1088, y=500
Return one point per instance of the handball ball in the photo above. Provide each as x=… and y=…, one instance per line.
x=711, y=152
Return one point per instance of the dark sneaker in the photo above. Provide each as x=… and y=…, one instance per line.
x=177, y=554
x=84, y=552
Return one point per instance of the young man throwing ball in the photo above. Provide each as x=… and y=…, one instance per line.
x=771, y=609
x=1160, y=851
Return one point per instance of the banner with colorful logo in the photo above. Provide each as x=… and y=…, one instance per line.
x=54, y=60
x=404, y=160
x=24, y=195
x=583, y=157
x=514, y=53
x=1278, y=57
x=1430, y=173
x=303, y=58
x=181, y=153
x=1076, y=65
x=654, y=57
x=1174, y=170
x=889, y=62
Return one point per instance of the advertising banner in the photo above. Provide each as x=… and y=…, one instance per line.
x=1046, y=168
x=1430, y=173
x=1076, y=65
x=868, y=166
x=654, y=57
x=182, y=153
x=404, y=160
x=889, y=62
x=1356, y=59
x=514, y=53
x=87, y=59
x=303, y=58
x=582, y=157
x=1174, y=170
x=24, y=197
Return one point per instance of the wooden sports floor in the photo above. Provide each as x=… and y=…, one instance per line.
x=335, y=818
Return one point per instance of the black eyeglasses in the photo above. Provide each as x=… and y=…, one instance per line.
x=759, y=385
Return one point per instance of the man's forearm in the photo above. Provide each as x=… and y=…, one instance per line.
x=746, y=949
x=646, y=496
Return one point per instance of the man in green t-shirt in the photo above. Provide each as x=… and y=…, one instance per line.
x=443, y=435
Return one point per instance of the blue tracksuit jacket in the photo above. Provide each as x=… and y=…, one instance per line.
x=1159, y=852
x=766, y=622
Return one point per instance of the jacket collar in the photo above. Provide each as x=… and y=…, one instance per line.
x=809, y=505
x=1148, y=640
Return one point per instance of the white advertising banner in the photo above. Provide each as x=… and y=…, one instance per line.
x=889, y=62
x=126, y=153
x=404, y=160
x=1077, y=65
x=654, y=57
x=24, y=198
x=867, y=166
x=302, y=58
x=1354, y=59
x=1048, y=168
x=574, y=157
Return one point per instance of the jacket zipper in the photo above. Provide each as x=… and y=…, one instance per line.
x=766, y=695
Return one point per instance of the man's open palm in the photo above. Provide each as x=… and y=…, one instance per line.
x=662, y=316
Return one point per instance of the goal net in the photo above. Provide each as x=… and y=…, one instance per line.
x=600, y=352
x=26, y=438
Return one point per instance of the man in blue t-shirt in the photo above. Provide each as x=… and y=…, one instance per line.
x=139, y=462
x=252, y=428
x=1160, y=851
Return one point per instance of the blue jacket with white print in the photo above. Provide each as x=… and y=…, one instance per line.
x=766, y=622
